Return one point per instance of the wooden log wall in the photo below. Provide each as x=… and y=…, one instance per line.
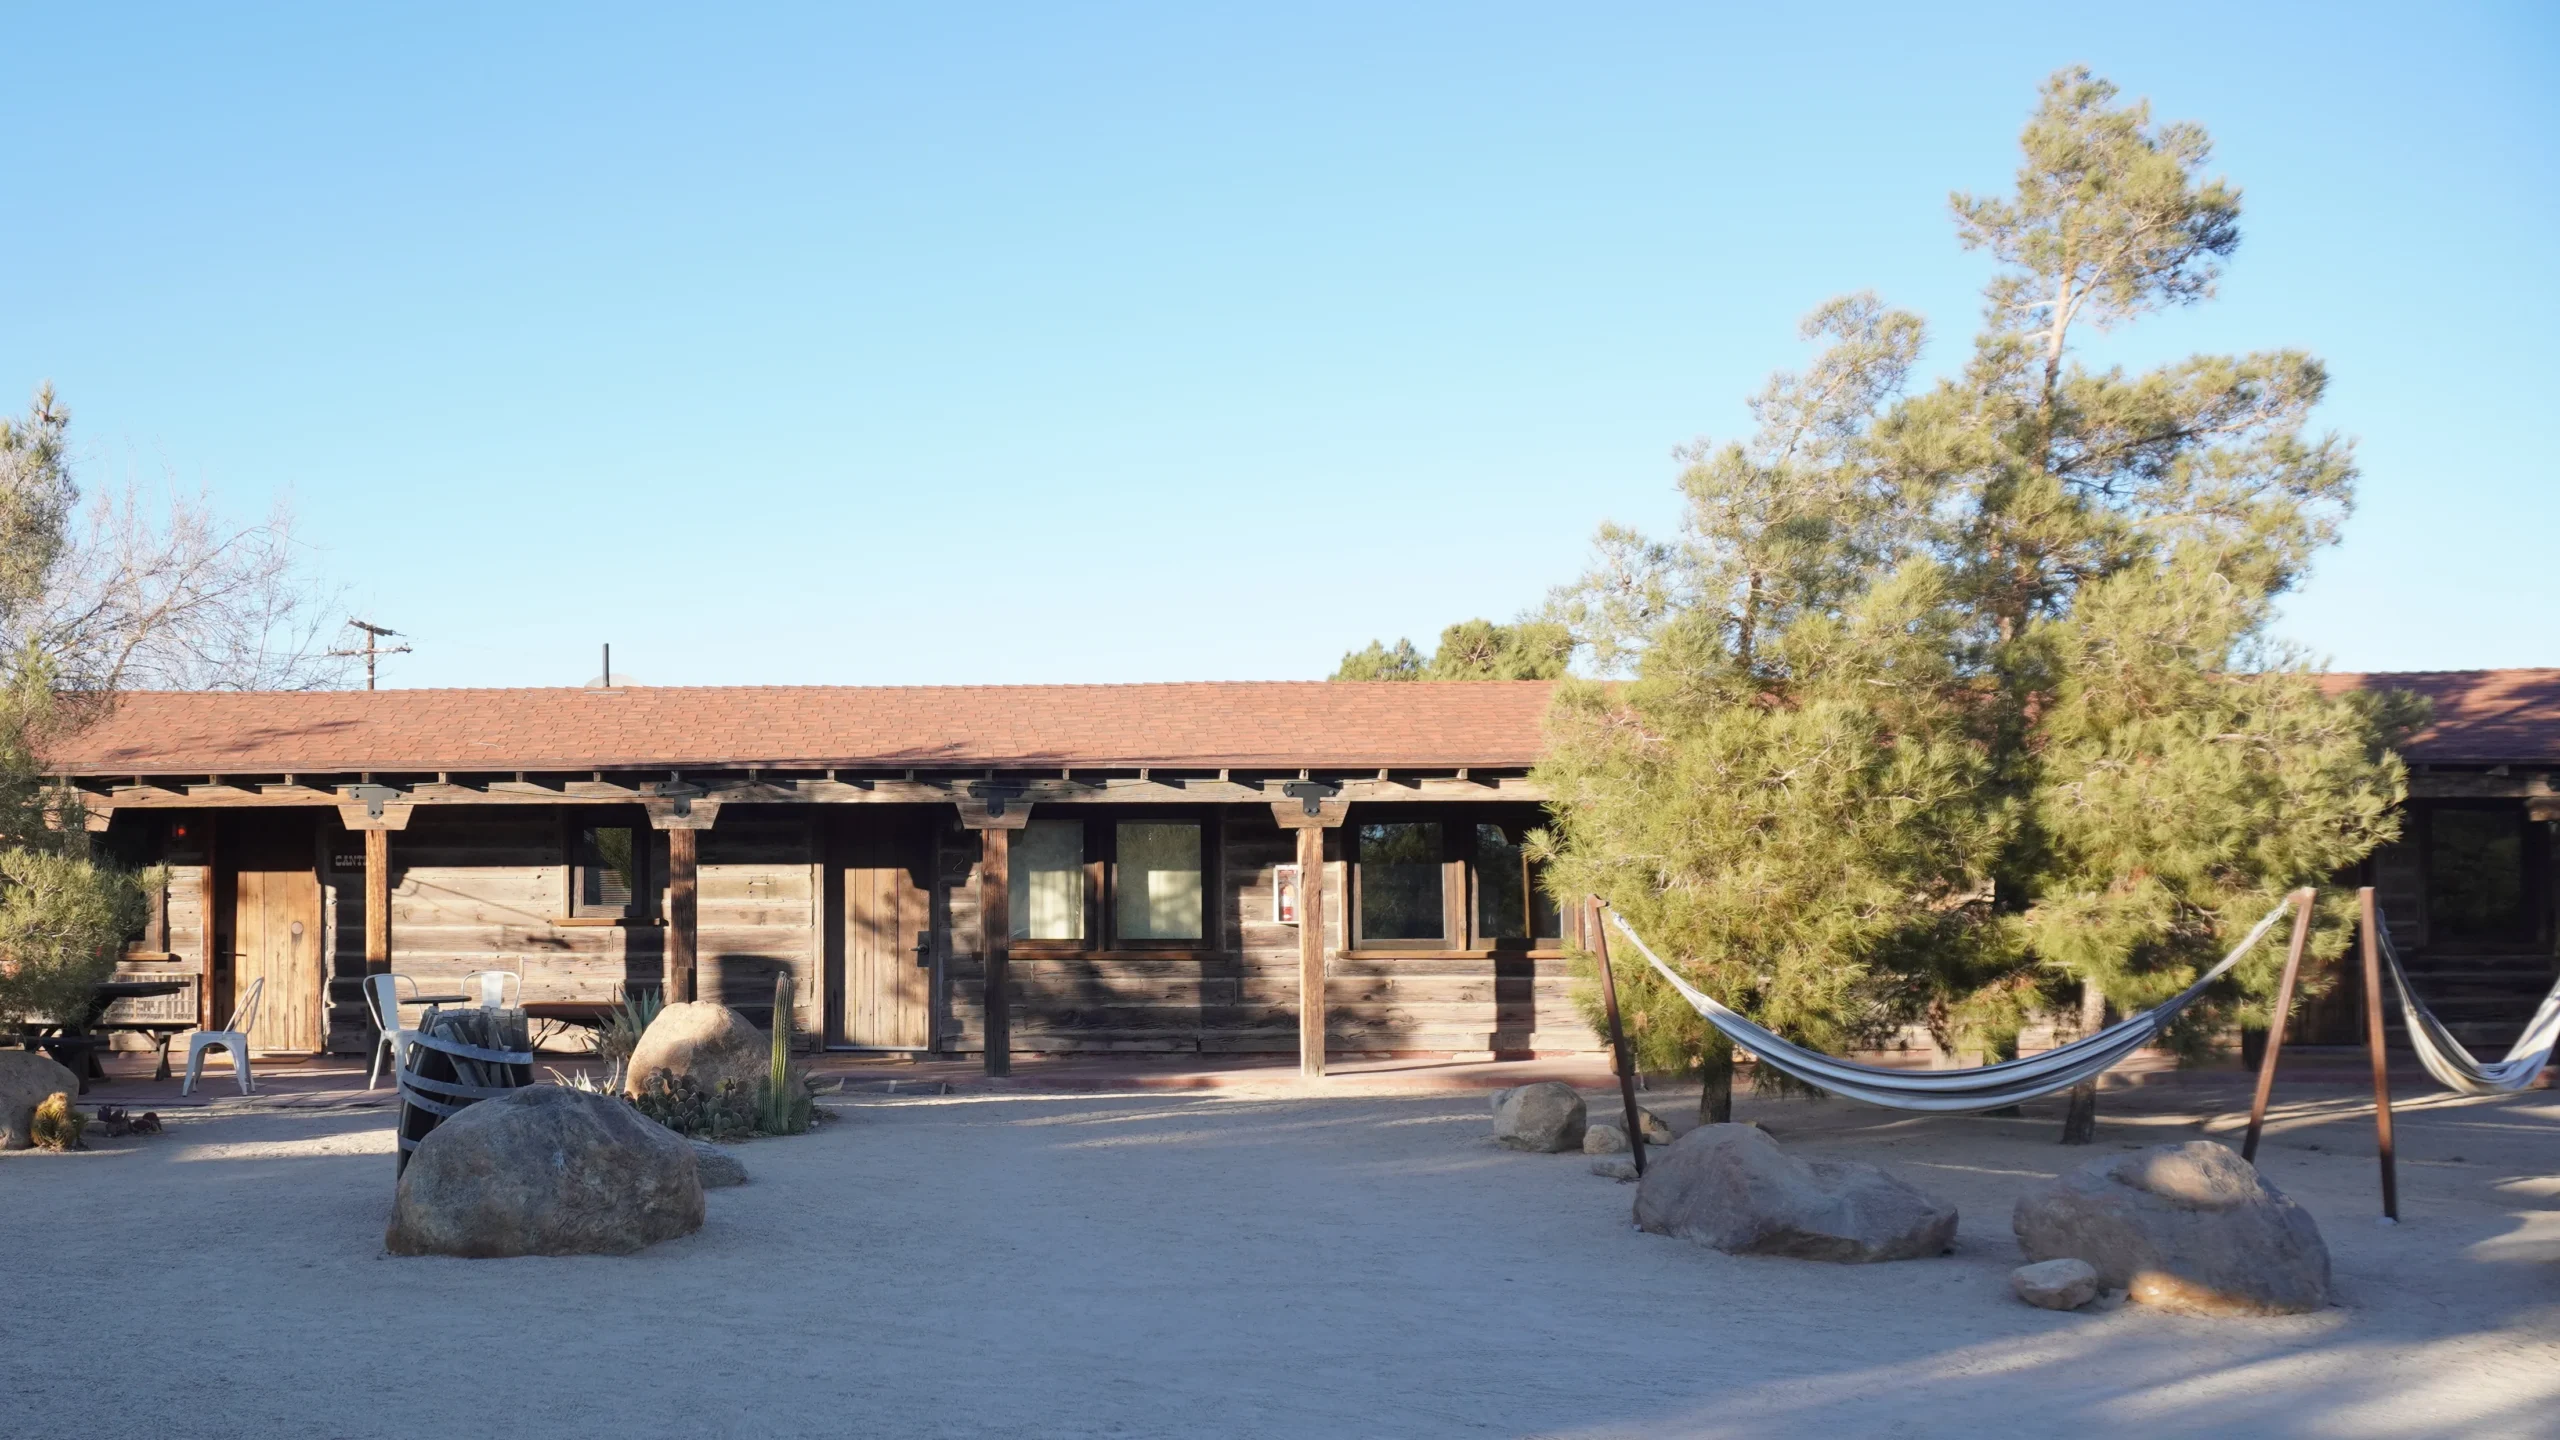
x=184, y=952
x=758, y=914
x=1242, y=996
x=487, y=888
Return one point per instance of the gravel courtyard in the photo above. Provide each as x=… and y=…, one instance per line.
x=1256, y=1265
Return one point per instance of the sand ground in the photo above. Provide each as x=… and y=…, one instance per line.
x=1255, y=1263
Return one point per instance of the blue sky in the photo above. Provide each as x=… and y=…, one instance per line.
x=973, y=343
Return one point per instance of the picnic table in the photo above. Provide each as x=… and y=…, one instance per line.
x=586, y=1014
x=74, y=1044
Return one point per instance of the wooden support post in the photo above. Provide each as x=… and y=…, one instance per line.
x=1599, y=930
x=2275, y=1024
x=377, y=902
x=1311, y=1014
x=995, y=942
x=1311, y=813
x=683, y=933
x=2367, y=922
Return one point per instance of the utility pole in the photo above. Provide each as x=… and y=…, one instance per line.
x=374, y=635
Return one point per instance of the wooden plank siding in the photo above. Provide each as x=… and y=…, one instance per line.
x=487, y=887
x=1243, y=998
x=181, y=950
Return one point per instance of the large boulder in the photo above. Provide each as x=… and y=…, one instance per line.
x=705, y=1040
x=546, y=1170
x=26, y=1078
x=1547, y=1118
x=2191, y=1228
x=1731, y=1187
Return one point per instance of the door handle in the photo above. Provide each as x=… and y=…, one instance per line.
x=924, y=949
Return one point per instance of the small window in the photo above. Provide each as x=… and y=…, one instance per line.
x=1400, y=881
x=1502, y=885
x=1048, y=881
x=607, y=878
x=1158, y=882
x=1546, y=921
x=1512, y=902
x=2476, y=888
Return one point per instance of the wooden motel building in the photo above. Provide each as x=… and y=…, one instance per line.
x=945, y=870
x=1214, y=869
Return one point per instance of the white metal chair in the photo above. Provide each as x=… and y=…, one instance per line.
x=497, y=989
x=383, y=998
x=235, y=1040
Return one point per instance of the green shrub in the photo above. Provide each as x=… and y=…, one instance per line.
x=62, y=921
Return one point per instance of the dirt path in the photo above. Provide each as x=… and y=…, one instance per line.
x=1139, y=1266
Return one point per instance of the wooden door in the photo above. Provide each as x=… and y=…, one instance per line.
x=885, y=1001
x=275, y=929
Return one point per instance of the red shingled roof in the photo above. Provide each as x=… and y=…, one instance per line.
x=2481, y=717
x=1416, y=725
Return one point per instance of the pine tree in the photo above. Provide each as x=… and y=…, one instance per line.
x=1948, y=704
x=62, y=913
x=1469, y=650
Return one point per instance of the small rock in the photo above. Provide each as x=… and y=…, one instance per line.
x=2191, y=1228
x=1604, y=1140
x=2055, y=1284
x=717, y=1167
x=1655, y=1131
x=1547, y=1118
x=2109, y=1300
x=26, y=1078
x=1615, y=1168
x=1731, y=1187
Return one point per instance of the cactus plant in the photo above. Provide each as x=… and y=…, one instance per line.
x=783, y=1107
x=57, y=1124
x=781, y=1030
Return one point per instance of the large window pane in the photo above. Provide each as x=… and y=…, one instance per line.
x=1048, y=880
x=1546, y=922
x=1502, y=912
x=1400, y=881
x=608, y=870
x=1159, y=882
x=2475, y=875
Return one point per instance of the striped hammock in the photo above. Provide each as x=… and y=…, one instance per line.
x=2445, y=1057
x=1984, y=1087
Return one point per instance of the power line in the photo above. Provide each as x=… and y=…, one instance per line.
x=374, y=635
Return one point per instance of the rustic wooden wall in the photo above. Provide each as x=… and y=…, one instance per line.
x=486, y=888
x=1242, y=997
x=758, y=896
x=186, y=946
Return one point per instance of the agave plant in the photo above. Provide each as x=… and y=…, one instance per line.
x=621, y=1032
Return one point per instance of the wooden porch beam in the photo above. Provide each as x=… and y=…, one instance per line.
x=684, y=816
x=849, y=789
x=1311, y=827
x=683, y=933
x=995, y=821
x=377, y=902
